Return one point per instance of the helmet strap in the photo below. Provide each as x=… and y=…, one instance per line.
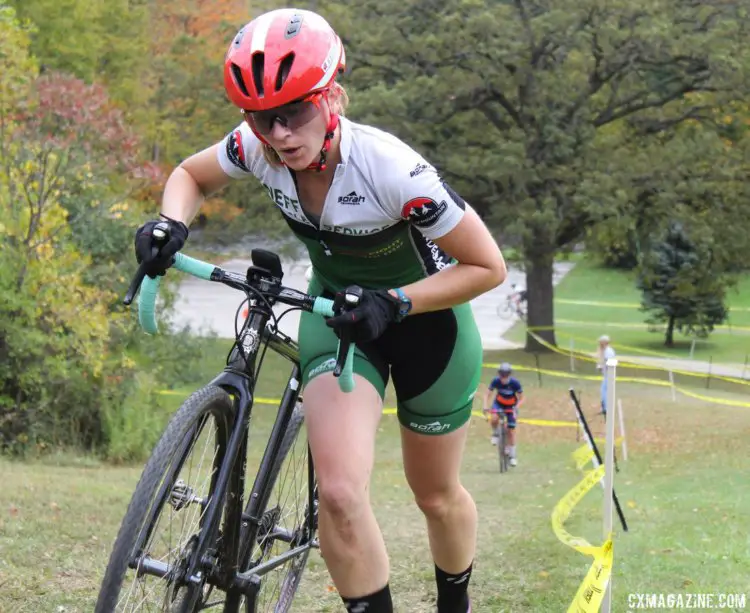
x=333, y=122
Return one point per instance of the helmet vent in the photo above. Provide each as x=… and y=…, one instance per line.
x=258, y=62
x=238, y=79
x=285, y=67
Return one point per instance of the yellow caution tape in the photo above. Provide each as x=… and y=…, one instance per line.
x=582, y=456
x=656, y=382
x=619, y=305
x=725, y=401
x=626, y=364
x=637, y=325
x=548, y=422
x=623, y=305
x=589, y=596
x=392, y=411
x=629, y=364
x=567, y=503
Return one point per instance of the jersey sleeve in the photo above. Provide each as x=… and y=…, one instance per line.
x=494, y=384
x=239, y=152
x=517, y=388
x=416, y=193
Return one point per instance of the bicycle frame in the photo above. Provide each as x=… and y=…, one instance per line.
x=238, y=380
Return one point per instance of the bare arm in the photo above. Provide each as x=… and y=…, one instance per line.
x=520, y=398
x=480, y=268
x=488, y=399
x=190, y=183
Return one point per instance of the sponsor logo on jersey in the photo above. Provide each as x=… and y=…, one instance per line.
x=423, y=212
x=351, y=198
x=352, y=231
x=439, y=258
x=323, y=367
x=431, y=428
x=418, y=169
x=235, y=151
x=290, y=206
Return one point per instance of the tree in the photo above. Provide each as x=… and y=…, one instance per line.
x=682, y=285
x=95, y=40
x=531, y=107
x=63, y=145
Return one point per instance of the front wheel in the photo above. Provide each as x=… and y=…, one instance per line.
x=156, y=544
x=505, y=310
x=501, y=447
x=288, y=521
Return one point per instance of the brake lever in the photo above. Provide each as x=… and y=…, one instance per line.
x=343, y=351
x=352, y=297
x=161, y=236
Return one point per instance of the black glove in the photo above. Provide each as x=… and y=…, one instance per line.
x=159, y=254
x=368, y=320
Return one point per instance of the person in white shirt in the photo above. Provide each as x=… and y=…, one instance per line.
x=606, y=352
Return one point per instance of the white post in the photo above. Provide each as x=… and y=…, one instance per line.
x=609, y=465
x=671, y=383
x=622, y=430
x=692, y=348
x=572, y=359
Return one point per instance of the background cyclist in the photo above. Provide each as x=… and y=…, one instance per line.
x=506, y=394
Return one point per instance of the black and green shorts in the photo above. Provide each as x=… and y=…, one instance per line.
x=435, y=360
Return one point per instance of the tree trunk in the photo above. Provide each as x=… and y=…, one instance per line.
x=540, y=318
x=669, y=338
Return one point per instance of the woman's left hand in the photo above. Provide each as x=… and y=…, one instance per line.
x=376, y=310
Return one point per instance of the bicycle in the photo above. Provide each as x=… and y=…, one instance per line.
x=514, y=306
x=236, y=547
x=502, y=442
x=502, y=439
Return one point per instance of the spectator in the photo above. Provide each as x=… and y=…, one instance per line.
x=605, y=353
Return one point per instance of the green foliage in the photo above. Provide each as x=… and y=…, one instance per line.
x=134, y=421
x=19, y=68
x=681, y=284
x=534, y=110
x=92, y=39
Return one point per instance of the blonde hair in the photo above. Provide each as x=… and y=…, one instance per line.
x=338, y=100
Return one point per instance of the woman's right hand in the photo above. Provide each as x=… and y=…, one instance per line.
x=157, y=252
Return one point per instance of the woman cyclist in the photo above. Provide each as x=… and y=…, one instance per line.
x=371, y=212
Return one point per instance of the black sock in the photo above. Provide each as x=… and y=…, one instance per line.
x=379, y=602
x=452, y=595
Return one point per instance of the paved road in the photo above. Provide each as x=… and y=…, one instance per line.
x=698, y=366
x=209, y=306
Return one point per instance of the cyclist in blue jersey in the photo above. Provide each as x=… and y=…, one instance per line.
x=506, y=394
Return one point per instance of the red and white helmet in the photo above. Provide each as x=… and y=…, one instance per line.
x=280, y=57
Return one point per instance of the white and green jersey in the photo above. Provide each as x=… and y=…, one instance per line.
x=383, y=211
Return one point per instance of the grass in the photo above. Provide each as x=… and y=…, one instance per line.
x=683, y=490
x=617, y=314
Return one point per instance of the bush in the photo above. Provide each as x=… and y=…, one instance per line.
x=133, y=419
